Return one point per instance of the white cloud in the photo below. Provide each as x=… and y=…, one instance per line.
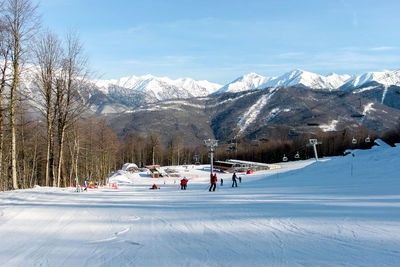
x=382, y=48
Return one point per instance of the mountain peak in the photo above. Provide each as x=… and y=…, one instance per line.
x=246, y=82
x=385, y=77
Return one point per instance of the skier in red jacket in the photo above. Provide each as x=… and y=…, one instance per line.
x=213, y=181
x=154, y=186
x=184, y=182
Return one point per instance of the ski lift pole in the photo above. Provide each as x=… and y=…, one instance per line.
x=314, y=143
x=211, y=144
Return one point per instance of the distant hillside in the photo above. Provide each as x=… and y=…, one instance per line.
x=252, y=114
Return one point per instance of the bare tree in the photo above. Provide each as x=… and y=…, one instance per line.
x=48, y=54
x=22, y=21
x=154, y=142
x=70, y=88
x=5, y=50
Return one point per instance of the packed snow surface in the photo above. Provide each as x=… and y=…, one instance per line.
x=339, y=212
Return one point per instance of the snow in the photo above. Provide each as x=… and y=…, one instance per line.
x=293, y=78
x=252, y=113
x=386, y=78
x=312, y=80
x=329, y=127
x=161, y=88
x=127, y=166
x=384, y=94
x=244, y=83
x=342, y=211
x=308, y=79
x=368, y=108
x=275, y=112
x=364, y=89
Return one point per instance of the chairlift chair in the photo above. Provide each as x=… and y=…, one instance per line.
x=354, y=141
x=284, y=158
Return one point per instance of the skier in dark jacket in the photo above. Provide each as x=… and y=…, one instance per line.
x=213, y=181
x=234, y=182
x=86, y=184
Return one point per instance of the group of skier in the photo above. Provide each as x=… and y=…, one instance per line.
x=213, y=182
x=214, y=179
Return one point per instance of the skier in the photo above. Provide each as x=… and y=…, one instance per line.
x=213, y=181
x=86, y=184
x=240, y=179
x=154, y=186
x=184, y=183
x=234, y=183
x=222, y=182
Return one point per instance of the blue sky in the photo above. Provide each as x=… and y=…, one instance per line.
x=221, y=40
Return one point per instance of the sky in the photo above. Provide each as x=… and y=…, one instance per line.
x=220, y=40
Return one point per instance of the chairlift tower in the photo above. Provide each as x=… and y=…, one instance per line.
x=211, y=144
x=314, y=143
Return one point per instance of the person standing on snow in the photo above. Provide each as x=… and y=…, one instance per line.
x=86, y=184
x=184, y=183
x=222, y=182
x=213, y=181
x=234, y=182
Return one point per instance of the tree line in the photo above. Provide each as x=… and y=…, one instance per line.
x=36, y=130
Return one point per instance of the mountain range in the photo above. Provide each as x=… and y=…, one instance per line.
x=119, y=95
x=250, y=107
x=284, y=112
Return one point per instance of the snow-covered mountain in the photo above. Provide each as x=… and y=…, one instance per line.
x=127, y=93
x=246, y=82
x=385, y=78
x=297, y=77
x=308, y=79
x=160, y=88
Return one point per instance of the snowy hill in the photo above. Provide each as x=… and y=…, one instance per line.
x=342, y=211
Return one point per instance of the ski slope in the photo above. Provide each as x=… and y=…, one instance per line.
x=341, y=211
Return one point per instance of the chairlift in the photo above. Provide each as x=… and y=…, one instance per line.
x=357, y=115
x=297, y=156
x=284, y=158
x=367, y=140
x=354, y=141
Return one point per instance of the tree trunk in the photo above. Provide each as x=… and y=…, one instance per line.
x=60, y=158
x=13, y=141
